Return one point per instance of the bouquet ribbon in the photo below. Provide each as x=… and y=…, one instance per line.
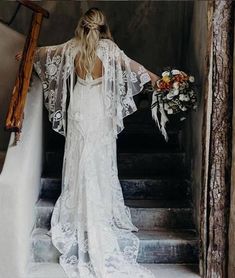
x=157, y=107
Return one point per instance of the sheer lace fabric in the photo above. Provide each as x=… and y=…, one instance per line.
x=90, y=225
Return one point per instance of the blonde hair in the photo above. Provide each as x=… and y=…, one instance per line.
x=91, y=28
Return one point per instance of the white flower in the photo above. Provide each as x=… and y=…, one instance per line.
x=186, y=98
x=191, y=93
x=165, y=73
x=191, y=78
x=183, y=108
x=175, y=92
x=169, y=111
x=170, y=95
x=181, y=97
x=176, y=85
x=175, y=71
x=166, y=106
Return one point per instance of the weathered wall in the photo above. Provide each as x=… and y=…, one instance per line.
x=196, y=64
x=153, y=32
x=231, y=269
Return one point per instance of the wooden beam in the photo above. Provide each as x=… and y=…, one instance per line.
x=203, y=238
x=219, y=163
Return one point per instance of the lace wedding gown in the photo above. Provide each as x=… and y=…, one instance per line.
x=90, y=225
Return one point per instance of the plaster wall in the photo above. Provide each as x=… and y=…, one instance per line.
x=195, y=63
x=10, y=43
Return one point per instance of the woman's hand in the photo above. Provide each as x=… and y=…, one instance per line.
x=154, y=79
x=19, y=55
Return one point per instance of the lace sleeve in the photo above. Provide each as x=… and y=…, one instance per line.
x=123, y=78
x=138, y=75
x=53, y=68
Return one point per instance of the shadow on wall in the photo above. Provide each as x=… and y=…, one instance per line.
x=152, y=32
x=196, y=63
x=11, y=42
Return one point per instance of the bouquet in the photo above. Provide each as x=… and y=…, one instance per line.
x=174, y=93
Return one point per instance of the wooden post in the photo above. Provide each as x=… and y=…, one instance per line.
x=203, y=239
x=231, y=267
x=14, y=117
x=217, y=184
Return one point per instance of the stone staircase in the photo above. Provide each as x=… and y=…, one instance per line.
x=155, y=187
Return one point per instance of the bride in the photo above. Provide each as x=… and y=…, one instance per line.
x=88, y=85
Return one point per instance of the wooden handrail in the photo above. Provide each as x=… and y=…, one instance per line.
x=14, y=118
x=34, y=7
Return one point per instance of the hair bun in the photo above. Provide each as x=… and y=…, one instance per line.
x=89, y=25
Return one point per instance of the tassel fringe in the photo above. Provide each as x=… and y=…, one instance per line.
x=157, y=107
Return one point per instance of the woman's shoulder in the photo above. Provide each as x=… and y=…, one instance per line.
x=107, y=42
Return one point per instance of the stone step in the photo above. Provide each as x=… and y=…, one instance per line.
x=147, y=143
x=137, y=125
x=54, y=270
x=143, y=116
x=151, y=164
x=146, y=214
x=158, y=188
x=162, y=246
x=132, y=139
x=145, y=164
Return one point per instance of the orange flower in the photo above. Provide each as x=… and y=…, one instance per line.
x=166, y=79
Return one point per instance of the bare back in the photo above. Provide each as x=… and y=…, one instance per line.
x=97, y=70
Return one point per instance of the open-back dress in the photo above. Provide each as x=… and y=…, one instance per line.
x=90, y=225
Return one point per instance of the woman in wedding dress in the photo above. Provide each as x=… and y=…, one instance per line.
x=90, y=225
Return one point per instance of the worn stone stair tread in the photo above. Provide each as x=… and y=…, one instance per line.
x=132, y=203
x=145, y=214
x=130, y=176
x=168, y=234
x=135, y=143
x=158, y=203
x=163, y=234
x=54, y=270
x=147, y=142
x=176, y=235
x=148, y=188
x=159, y=246
x=145, y=164
x=131, y=179
x=138, y=152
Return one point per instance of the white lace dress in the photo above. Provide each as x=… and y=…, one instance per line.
x=90, y=225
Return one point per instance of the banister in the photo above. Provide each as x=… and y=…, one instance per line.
x=14, y=118
x=34, y=7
